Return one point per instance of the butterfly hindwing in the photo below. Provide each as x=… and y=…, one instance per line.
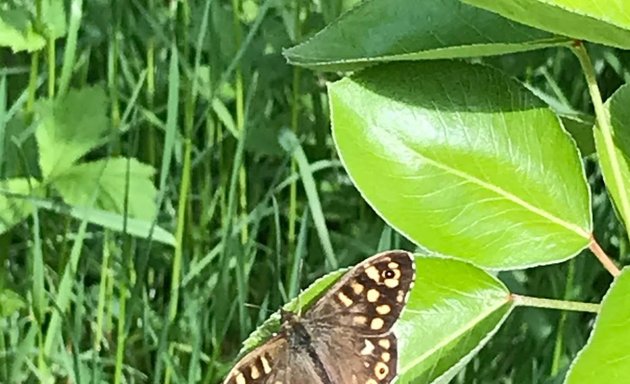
x=352, y=358
x=261, y=364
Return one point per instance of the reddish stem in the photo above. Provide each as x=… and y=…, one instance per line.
x=603, y=257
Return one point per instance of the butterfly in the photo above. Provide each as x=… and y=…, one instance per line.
x=345, y=337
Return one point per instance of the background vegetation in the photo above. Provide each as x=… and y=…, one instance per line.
x=181, y=104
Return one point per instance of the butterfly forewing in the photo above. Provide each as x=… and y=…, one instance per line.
x=369, y=298
x=345, y=337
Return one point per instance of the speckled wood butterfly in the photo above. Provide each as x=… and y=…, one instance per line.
x=346, y=337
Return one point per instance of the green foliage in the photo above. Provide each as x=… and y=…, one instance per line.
x=14, y=210
x=381, y=30
x=109, y=177
x=579, y=19
x=16, y=31
x=115, y=273
x=615, y=164
x=602, y=359
x=69, y=128
x=527, y=187
x=436, y=343
x=10, y=302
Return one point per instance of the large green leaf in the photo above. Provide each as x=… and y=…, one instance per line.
x=69, y=128
x=604, y=359
x=605, y=22
x=463, y=161
x=13, y=204
x=453, y=310
x=111, y=181
x=615, y=161
x=388, y=30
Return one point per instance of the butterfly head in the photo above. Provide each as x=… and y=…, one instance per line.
x=288, y=319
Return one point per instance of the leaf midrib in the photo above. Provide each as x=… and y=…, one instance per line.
x=465, y=328
x=505, y=194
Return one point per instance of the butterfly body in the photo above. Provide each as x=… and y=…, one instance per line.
x=346, y=337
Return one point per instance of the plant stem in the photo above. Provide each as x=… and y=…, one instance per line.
x=240, y=118
x=32, y=79
x=102, y=296
x=558, y=348
x=122, y=308
x=603, y=258
x=564, y=305
x=52, y=58
x=295, y=113
x=603, y=123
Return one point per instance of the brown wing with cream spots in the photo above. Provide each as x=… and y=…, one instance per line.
x=274, y=362
x=258, y=366
x=368, y=299
x=358, y=360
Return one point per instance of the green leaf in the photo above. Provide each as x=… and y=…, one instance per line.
x=54, y=18
x=615, y=164
x=578, y=124
x=14, y=206
x=69, y=128
x=10, y=302
x=111, y=177
x=16, y=31
x=386, y=30
x=464, y=161
x=604, y=358
x=453, y=310
x=582, y=133
x=601, y=22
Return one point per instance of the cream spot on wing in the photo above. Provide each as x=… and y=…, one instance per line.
x=401, y=296
x=393, y=265
x=381, y=370
x=392, y=283
x=383, y=309
x=357, y=288
x=371, y=381
x=345, y=299
x=385, y=356
x=373, y=295
x=372, y=273
x=255, y=373
x=359, y=320
x=265, y=364
x=368, y=348
x=384, y=343
x=377, y=323
x=240, y=379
